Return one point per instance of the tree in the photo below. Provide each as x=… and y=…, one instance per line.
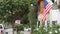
x=10, y=10
x=32, y=17
x=19, y=28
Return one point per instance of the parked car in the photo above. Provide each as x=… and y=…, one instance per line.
x=1, y=29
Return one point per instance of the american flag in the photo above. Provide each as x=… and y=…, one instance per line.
x=47, y=8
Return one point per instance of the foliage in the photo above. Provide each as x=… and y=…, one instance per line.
x=32, y=17
x=10, y=10
x=55, y=29
x=19, y=27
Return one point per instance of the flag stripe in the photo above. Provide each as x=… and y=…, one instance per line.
x=47, y=8
x=44, y=18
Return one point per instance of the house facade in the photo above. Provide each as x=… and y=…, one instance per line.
x=53, y=16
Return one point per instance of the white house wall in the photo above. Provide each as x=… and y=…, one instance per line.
x=59, y=17
x=55, y=16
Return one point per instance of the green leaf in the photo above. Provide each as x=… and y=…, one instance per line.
x=1, y=0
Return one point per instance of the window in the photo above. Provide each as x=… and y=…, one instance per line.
x=53, y=1
x=1, y=27
x=54, y=22
x=6, y=32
